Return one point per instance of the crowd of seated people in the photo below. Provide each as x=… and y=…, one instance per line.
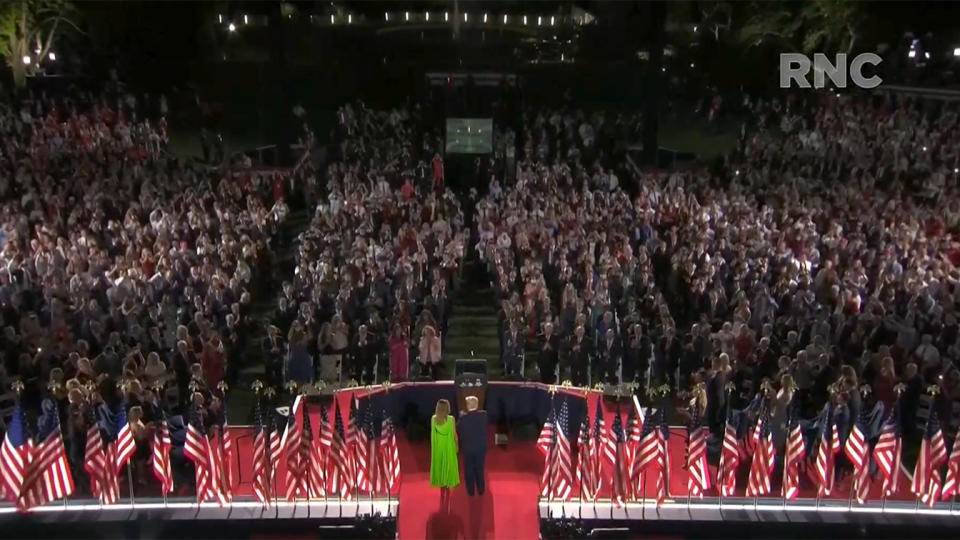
x=820, y=259
x=126, y=274
x=377, y=265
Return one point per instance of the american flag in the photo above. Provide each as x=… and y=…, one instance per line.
x=341, y=479
x=795, y=453
x=634, y=431
x=95, y=461
x=698, y=471
x=621, y=468
x=47, y=476
x=583, y=458
x=227, y=455
x=595, y=463
x=291, y=446
x=546, y=443
x=764, y=455
x=374, y=463
x=161, y=456
x=358, y=444
x=729, y=457
x=953, y=471
x=197, y=448
x=124, y=442
x=275, y=454
x=261, y=464
x=390, y=453
x=15, y=454
x=933, y=454
x=857, y=450
x=825, y=452
x=313, y=482
x=562, y=481
x=888, y=451
x=652, y=456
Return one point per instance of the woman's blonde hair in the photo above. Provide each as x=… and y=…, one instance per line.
x=443, y=409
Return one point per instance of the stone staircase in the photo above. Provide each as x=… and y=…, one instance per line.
x=240, y=404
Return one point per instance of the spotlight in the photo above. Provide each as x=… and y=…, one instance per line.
x=912, y=54
x=446, y=16
x=524, y=19
x=551, y=20
x=232, y=27
x=926, y=55
x=484, y=18
x=333, y=19
x=956, y=51
x=956, y=171
x=737, y=172
x=52, y=56
x=349, y=18
x=924, y=148
x=504, y=18
x=27, y=60
x=465, y=18
x=386, y=16
x=539, y=20
x=691, y=65
x=246, y=19
x=694, y=28
x=220, y=18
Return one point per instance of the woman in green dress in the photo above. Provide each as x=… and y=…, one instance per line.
x=444, y=467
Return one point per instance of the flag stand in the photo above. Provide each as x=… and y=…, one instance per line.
x=643, y=488
x=130, y=483
x=853, y=486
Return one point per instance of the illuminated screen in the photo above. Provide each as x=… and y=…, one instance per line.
x=469, y=135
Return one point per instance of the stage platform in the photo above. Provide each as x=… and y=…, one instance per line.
x=185, y=509
x=743, y=517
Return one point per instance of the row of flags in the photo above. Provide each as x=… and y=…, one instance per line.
x=632, y=451
x=636, y=454
x=331, y=461
x=35, y=472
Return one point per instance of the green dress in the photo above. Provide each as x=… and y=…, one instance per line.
x=444, y=468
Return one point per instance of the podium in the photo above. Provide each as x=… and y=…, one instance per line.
x=471, y=380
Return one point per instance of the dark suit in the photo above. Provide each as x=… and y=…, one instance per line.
x=472, y=428
x=611, y=355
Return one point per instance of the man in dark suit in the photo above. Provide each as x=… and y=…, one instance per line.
x=611, y=355
x=549, y=355
x=472, y=429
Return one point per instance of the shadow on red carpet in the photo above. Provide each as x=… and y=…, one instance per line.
x=508, y=509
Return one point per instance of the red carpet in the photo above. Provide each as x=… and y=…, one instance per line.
x=508, y=509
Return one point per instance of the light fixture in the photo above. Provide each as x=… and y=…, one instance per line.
x=524, y=19
x=694, y=28
x=427, y=15
x=912, y=54
x=691, y=65
x=663, y=69
x=539, y=20
x=350, y=18
x=446, y=15
x=52, y=56
x=561, y=57
x=466, y=18
x=246, y=19
x=27, y=60
x=737, y=172
x=924, y=148
x=333, y=19
x=926, y=55
x=220, y=18
x=551, y=20
x=956, y=51
x=232, y=27
x=504, y=18
x=386, y=16
x=956, y=171
x=484, y=18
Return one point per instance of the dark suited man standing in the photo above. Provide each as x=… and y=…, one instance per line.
x=472, y=428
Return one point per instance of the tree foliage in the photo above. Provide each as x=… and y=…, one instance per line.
x=827, y=26
x=28, y=29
